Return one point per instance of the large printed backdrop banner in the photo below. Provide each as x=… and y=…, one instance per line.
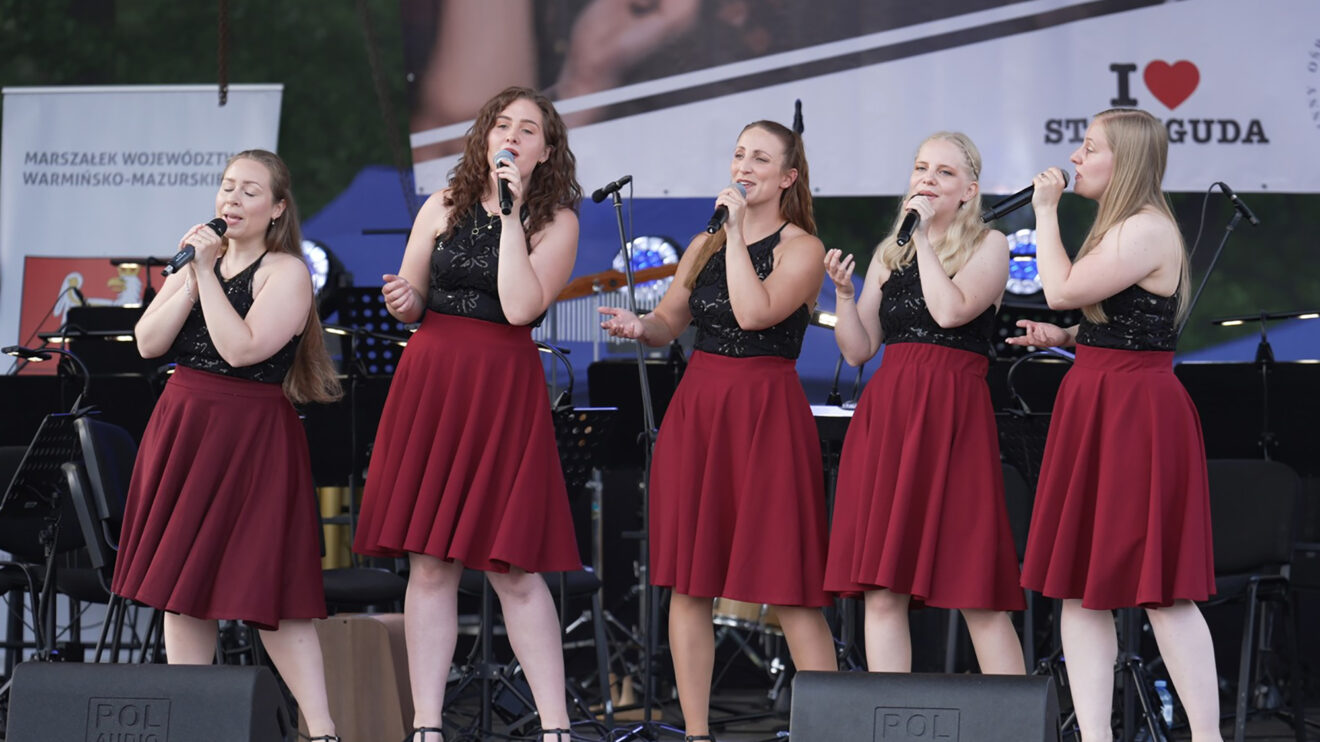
x=660, y=90
x=115, y=171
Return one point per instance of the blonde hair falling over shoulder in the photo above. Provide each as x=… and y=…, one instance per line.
x=958, y=244
x=1140, y=144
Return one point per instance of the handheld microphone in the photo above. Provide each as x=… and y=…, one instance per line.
x=185, y=256
x=1238, y=203
x=910, y=222
x=1014, y=202
x=721, y=214
x=506, y=197
x=600, y=193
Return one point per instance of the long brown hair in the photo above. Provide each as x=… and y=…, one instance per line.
x=959, y=243
x=554, y=182
x=312, y=377
x=1140, y=144
x=794, y=201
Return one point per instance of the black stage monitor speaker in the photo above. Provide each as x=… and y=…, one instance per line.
x=76, y=702
x=892, y=707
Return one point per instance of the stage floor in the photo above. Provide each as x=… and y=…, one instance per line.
x=731, y=707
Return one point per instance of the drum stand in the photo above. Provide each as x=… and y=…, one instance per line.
x=767, y=658
x=501, y=689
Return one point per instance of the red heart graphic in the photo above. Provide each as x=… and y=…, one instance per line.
x=1172, y=83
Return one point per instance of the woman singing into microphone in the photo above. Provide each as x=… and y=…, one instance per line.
x=737, y=496
x=919, y=512
x=1122, y=512
x=465, y=471
x=221, y=518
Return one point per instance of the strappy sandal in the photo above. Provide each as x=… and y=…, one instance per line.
x=418, y=734
x=325, y=738
x=559, y=734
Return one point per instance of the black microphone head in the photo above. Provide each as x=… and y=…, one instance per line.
x=218, y=226
x=598, y=195
x=910, y=221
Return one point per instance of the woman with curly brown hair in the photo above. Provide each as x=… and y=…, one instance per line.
x=465, y=471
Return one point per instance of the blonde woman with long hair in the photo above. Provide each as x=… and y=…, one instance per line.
x=919, y=513
x=1122, y=512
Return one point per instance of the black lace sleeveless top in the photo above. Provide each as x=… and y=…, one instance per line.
x=717, y=329
x=193, y=347
x=465, y=270
x=905, y=318
x=1138, y=320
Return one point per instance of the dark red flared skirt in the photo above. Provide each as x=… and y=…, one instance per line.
x=919, y=506
x=465, y=466
x=737, y=494
x=221, y=520
x=1122, y=513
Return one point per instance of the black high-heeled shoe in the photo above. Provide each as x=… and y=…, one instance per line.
x=559, y=734
x=698, y=737
x=325, y=738
x=419, y=734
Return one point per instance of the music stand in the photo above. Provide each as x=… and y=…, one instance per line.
x=378, y=344
x=1265, y=362
x=356, y=370
x=35, y=506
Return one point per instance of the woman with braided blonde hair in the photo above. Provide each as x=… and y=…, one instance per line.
x=919, y=512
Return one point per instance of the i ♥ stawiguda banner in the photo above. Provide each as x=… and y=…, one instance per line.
x=1237, y=85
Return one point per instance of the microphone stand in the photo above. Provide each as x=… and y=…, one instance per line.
x=648, y=605
x=1214, y=259
x=833, y=397
x=1239, y=210
x=1265, y=361
x=1264, y=353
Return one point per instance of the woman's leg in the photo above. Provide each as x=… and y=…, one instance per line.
x=430, y=627
x=537, y=641
x=692, y=645
x=809, y=638
x=296, y=652
x=1184, y=641
x=1090, y=645
x=888, y=638
x=190, y=641
x=998, y=650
